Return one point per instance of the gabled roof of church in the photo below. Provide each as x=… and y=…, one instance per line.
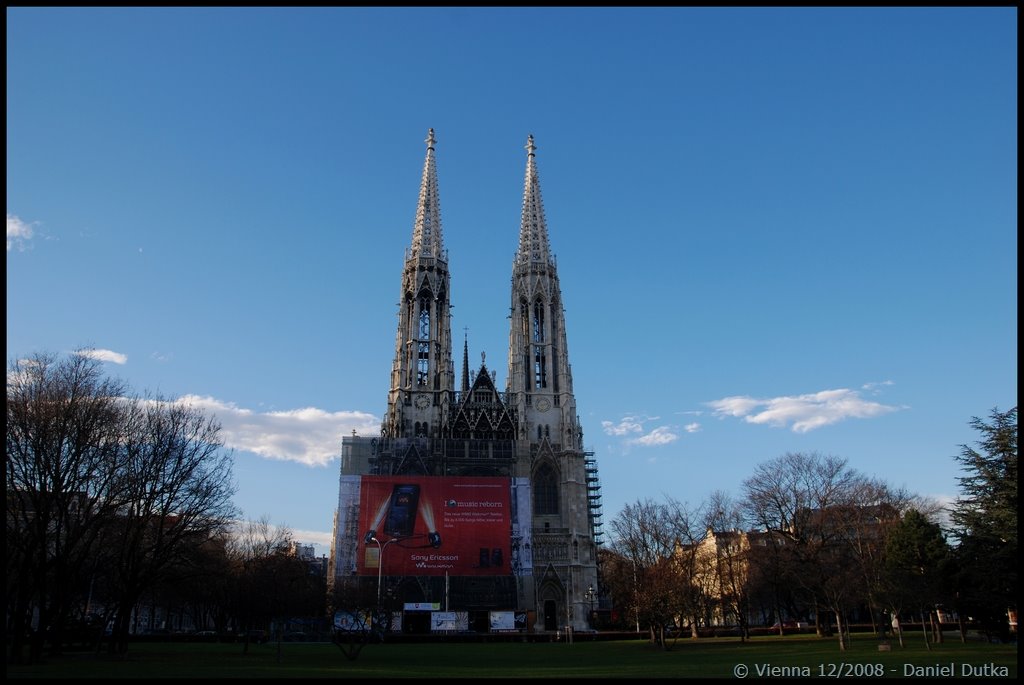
x=427, y=240
x=483, y=380
x=533, y=232
x=483, y=415
x=411, y=462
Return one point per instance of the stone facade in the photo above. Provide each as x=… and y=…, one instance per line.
x=529, y=432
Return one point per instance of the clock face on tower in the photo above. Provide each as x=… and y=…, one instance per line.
x=543, y=404
x=422, y=401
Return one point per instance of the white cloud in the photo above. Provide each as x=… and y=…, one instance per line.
x=662, y=435
x=874, y=387
x=734, y=406
x=309, y=436
x=624, y=427
x=692, y=428
x=320, y=539
x=105, y=356
x=18, y=233
x=945, y=505
x=631, y=425
x=802, y=413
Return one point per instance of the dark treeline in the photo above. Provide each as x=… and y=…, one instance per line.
x=812, y=540
x=115, y=500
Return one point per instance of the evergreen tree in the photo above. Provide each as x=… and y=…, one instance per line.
x=916, y=563
x=985, y=520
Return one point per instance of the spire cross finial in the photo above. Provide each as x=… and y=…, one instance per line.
x=430, y=139
x=483, y=358
x=530, y=147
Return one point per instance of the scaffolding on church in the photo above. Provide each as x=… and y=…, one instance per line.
x=594, y=509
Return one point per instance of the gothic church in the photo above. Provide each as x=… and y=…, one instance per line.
x=462, y=430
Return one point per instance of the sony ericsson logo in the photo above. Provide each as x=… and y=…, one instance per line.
x=454, y=504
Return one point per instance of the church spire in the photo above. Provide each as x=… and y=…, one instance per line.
x=539, y=375
x=422, y=374
x=426, y=231
x=533, y=231
x=465, y=364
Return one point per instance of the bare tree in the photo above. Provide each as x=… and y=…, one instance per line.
x=253, y=551
x=807, y=500
x=731, y=559
x=64, y=437
x=659, y=542
x=253, y=540
x=178, y=483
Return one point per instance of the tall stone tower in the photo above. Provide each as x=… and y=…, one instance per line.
x=550, y=441
x=422, y=374
x=516, y=455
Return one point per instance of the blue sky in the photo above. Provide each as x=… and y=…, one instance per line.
x=776, y=229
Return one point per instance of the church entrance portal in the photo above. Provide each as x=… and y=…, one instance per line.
x=550, y=615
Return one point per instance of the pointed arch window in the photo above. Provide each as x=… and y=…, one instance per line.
x=545, y=491
x=424, y=318
x=524, y=316
x=538, y=321
x=540, y=373
x=423, y=346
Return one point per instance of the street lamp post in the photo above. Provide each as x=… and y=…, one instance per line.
x=371, y=536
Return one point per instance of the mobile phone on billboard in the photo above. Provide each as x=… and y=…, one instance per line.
x=402, y=512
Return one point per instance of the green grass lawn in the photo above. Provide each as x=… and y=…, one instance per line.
x=631, y=659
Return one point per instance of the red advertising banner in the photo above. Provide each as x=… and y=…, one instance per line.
x=429, y=526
